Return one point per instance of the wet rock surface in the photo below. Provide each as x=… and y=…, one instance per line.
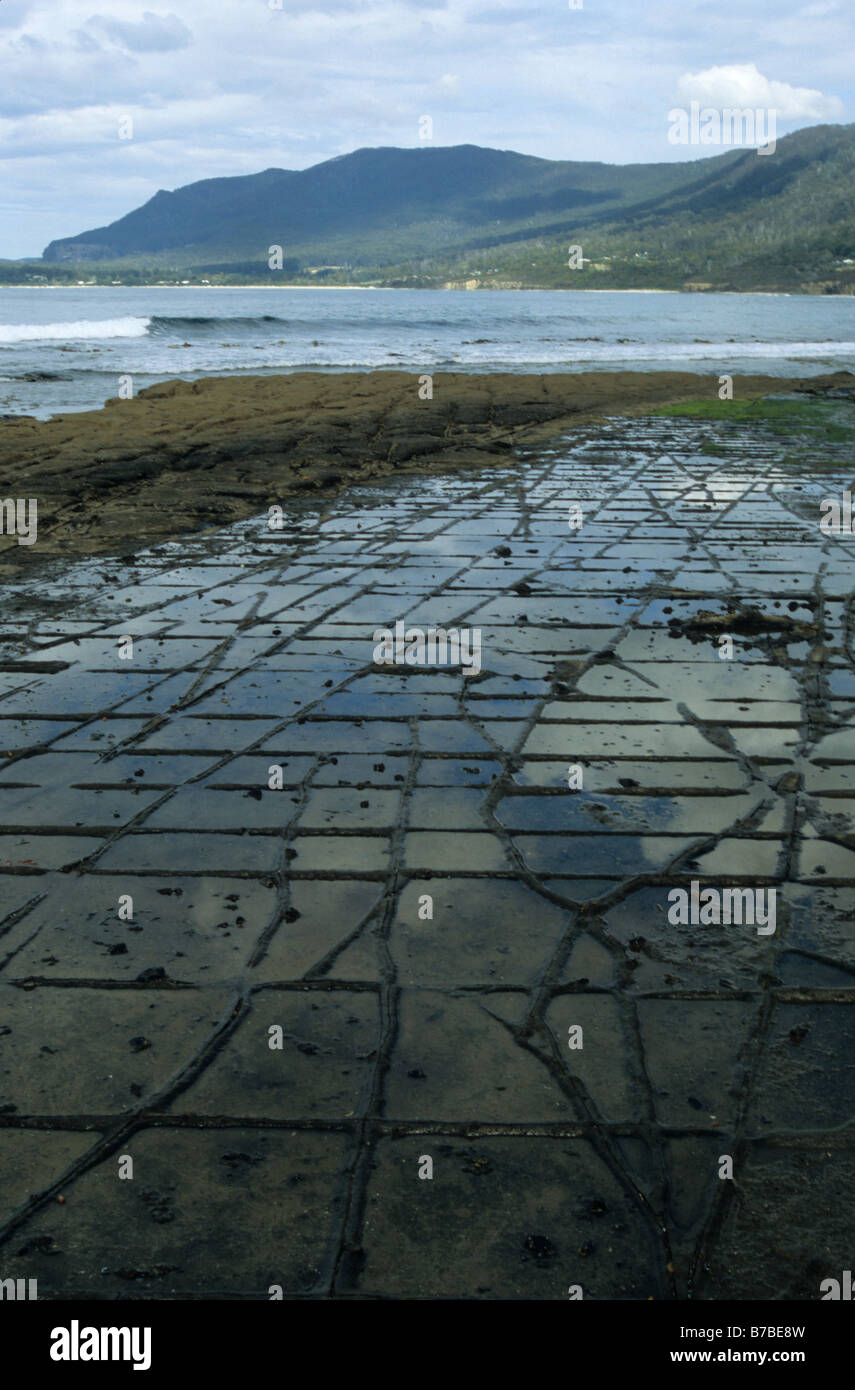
x=185, y=455
x=279, y=1031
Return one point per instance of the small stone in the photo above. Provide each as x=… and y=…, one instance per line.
x=540, y=1247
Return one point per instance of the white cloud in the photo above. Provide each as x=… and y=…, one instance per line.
x=821, y=9
x=743, y=85
x=154, y=33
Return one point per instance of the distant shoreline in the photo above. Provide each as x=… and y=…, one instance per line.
x=436, y=289
x=156, y=286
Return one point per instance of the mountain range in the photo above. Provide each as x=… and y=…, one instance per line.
x=481, y=217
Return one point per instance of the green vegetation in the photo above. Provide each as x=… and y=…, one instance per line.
x=831, y=421
x=477, y=218
x=714, y=450
x=769, y=408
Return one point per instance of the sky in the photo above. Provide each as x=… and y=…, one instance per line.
x=216, y=87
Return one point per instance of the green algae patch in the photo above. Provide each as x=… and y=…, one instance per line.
x=833, y=420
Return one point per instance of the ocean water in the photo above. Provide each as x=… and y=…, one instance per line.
x=65, y=349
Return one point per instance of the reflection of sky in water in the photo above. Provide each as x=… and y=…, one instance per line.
x=581, y=811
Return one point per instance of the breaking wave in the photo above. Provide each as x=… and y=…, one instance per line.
x=76, y=330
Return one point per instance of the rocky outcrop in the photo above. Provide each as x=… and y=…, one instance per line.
x=187, y=455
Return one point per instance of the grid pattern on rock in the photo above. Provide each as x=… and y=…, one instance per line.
x=303, y=908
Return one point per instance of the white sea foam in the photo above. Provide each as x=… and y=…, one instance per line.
x=78, y=329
